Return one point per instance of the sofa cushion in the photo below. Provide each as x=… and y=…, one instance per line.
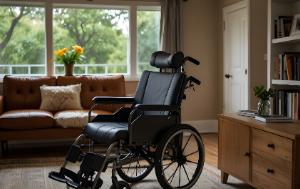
x=92, y=86
x=26, y=119
x=75, y=118
x=58, y=98
x=24, y=92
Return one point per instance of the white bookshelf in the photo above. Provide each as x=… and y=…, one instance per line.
x=278, y=46
x=285, y=82
x=289, y=39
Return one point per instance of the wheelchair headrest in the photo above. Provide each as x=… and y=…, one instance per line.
x=161, y=59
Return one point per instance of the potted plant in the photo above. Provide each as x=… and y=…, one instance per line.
x=264, y=104
x=69, y=57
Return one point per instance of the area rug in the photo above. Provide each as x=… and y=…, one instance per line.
x=32, y=173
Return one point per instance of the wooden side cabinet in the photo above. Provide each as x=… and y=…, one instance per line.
x=234, y=150
x=264, y=155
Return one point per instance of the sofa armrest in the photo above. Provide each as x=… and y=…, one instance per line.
x=1, y=105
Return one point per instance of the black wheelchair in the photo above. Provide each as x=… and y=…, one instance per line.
x=146, y=135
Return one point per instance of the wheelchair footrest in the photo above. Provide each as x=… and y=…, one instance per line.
x=64, y=175
x=57, y=176
x=72, y=184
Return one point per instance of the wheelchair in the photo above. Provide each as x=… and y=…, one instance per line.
x=145, y=135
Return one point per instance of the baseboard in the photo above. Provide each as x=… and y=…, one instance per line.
x=204, y=126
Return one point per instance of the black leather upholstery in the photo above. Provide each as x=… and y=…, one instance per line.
x=162, y=59
x=159, y=88
x=106, y=132
x=154, y=88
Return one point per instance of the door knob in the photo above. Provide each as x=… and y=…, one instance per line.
x=227, y=76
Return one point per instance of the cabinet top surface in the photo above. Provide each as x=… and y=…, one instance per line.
x=289, y=130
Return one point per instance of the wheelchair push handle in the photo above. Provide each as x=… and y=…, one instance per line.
x=192, y=60
x=193, y=80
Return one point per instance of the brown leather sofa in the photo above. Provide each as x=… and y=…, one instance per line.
x=21, y=118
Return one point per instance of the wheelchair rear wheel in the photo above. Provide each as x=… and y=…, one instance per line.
x=179, y=158
x=135, y=166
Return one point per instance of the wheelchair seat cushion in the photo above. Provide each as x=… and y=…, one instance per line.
x=106, y=132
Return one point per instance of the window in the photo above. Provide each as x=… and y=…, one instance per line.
x=107, y=33
x=102, y=32
x=22, y=40
x=148, y=41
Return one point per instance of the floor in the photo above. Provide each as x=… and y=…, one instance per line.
x=37, y=150
x=27, y=151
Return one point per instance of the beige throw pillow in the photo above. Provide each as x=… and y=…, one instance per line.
x=57, y=98
x=73, y=118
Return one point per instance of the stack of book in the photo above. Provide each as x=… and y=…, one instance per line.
x=282, y=26
x=287, y=66
x=248, y=113
x=273, y=119
x=287, y=103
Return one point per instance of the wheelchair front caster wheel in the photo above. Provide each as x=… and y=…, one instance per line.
x=120, y=185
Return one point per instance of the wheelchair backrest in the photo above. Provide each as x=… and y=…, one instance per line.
x=162, y=88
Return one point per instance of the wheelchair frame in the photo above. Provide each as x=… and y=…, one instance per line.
x=92, y=167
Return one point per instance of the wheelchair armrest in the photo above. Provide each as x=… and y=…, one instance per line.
x=150, y=107
x=97, y=100
x=120, y=116
x=112, y=100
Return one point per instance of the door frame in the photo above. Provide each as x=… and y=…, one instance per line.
x=226, y=10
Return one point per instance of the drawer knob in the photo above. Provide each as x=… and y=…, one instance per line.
x=247, y=154
x=271, y=146
x=271, y=171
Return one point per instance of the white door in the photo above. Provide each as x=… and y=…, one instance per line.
x=235, y=57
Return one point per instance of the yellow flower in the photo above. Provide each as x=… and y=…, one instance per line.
x=64, y=50
x=60, y=52
x=78, y=49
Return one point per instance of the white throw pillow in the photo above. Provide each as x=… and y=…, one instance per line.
x=57, y=98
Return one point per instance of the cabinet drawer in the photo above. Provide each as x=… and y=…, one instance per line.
x=267, y=144
x=271, y=172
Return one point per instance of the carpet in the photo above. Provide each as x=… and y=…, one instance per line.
x=32, y=173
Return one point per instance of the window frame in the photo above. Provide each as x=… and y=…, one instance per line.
x=49, y=5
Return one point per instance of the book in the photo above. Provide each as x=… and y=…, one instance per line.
x=286, y=66
x=282, y=26
x=289, y=61
x=273, y=119
x=276, y=67
x=248, y=113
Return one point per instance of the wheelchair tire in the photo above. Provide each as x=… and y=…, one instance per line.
x=133, y=177
x=179, y=153
x=121, y=185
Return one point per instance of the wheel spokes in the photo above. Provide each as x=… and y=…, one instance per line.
x=192, y=162
x=186, y=173
x=179, y=175
x=173, y=175
x=187, y=167
x=192, y=153
x=187, y=143
x=169, y=165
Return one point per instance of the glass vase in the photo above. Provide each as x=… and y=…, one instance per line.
x=264, y=107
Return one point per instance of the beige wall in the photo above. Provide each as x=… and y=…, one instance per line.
x=257, y=47
x=200, y=41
